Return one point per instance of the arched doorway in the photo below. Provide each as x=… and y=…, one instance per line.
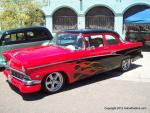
x=64, y=18
x=100, y=17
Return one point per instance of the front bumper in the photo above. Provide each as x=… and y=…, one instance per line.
x=23, y=86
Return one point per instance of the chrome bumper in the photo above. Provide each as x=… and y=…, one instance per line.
x=28, y=82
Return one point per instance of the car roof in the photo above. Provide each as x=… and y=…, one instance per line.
x=27, y=29
x=24, y=29
x=86, y=31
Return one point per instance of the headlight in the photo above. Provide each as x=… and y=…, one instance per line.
x=27, y=78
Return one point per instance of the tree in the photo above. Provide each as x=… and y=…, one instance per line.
x=20, y=13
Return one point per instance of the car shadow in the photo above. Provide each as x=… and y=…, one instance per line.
x=84, y=82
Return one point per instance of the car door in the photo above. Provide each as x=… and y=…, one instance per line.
x=99, y=55
x=113, y=45
x=95, y=57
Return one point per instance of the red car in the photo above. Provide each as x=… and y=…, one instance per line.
x=76, y=54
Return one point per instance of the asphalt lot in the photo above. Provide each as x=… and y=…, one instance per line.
x=111, y=92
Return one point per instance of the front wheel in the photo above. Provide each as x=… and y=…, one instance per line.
x=125, y=64
x=53, y=82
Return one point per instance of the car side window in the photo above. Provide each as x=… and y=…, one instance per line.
x=111, y=40
x=94, y=41
x=10, y=38
x=30, y=35
x=14, y=38
x=35, y=35
x=20, y=36
x=7, y=38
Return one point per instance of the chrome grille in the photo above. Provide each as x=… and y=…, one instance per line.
x=17, y=74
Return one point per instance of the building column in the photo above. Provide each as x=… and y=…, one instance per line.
x=49, y=23
x=119, y=25
x=81, y=21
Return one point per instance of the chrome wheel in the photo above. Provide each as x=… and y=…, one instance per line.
x=54, y=82
x=126, y=64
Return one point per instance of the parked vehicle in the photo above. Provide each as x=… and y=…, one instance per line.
x=77, y=54
x=135, y=36
x=20, y=38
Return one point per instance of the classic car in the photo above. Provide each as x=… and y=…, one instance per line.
x=138, y=36
x=21, y=38
x=76, y=54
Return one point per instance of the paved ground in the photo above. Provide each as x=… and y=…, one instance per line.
x=112, y=92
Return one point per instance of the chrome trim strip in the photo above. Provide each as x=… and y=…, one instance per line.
x=16, y=70
x=29, y=83
x=112, y=54
x=70, y=61
x=25, y=82
x=16, y=78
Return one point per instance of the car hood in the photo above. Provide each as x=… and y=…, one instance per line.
x=36, y=56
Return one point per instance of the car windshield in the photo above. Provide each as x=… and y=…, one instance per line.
x=70, y=41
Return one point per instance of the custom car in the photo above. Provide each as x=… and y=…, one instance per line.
x=75, y=55
x=21, y=38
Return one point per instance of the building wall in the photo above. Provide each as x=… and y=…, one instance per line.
x=118, y=7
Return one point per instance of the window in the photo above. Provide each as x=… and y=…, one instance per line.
x=133, y=35
x=14, y=38
x=38, y=35
x=30, y=35
x=10, y=38
x=70, y=41
x=20, y=36
x=7, y=38
x=94, y=41
x=111, y=40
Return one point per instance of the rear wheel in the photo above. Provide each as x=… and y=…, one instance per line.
x=125, y=64
x=53, y=82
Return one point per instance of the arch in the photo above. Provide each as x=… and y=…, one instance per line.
x=100, y=17
x=64, y=6
x=135, y=4
x=64, y=18
x=99, y=5
x=134, y=8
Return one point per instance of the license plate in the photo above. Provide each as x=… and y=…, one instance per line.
x=9, y=78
